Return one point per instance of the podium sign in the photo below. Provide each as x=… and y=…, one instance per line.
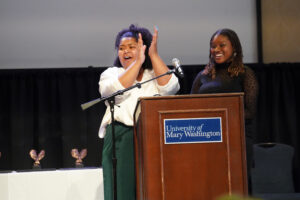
x=190, y=147
x=200, y=130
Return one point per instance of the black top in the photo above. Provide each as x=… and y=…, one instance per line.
x=245, y=82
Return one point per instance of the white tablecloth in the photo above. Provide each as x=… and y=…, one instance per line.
x=76, y=184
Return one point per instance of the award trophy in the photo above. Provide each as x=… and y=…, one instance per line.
x=79, y=156
x=36, y=157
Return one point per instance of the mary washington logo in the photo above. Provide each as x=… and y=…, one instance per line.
x=193, y=130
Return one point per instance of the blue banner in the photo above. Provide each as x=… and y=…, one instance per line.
x=193, y=130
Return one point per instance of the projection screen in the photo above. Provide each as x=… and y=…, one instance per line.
x=77, y=33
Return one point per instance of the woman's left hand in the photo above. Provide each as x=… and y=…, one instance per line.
x=158, y=64
x=153, y=46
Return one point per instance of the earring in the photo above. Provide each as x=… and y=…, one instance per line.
x=234, y=54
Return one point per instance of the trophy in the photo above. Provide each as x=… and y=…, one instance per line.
x=36, y=157
x=79, y=156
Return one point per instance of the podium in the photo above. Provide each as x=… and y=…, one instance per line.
x=190, y=147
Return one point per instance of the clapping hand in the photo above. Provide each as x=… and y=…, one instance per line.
x=141, y=50
x=153, y=46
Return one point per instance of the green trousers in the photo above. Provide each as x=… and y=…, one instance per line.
x=126, y=187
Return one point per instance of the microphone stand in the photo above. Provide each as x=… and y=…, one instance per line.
x=111, y=101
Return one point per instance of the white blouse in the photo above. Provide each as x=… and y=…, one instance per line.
x=125, y=104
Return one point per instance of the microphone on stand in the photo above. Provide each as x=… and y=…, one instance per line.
x=178, y=70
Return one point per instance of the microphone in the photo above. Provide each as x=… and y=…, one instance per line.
x=178, y=70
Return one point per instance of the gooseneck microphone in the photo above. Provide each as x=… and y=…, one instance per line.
x=178, y=70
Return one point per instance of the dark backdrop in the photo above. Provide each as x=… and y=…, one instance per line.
x=40, y=109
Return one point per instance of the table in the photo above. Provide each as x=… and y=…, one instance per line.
x=69, y=184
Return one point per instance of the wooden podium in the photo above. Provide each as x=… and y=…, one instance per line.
x=208, y=163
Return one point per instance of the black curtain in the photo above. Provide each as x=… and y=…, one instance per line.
x=278, y=115
x=40, y=109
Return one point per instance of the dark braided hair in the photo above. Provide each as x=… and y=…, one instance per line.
x=236, y=66
x=133, y=31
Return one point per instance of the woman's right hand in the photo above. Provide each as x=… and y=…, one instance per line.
x=141, y=50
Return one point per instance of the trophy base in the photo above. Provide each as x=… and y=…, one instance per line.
x=79, y=165
x=36, y=167
x=33, y=170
